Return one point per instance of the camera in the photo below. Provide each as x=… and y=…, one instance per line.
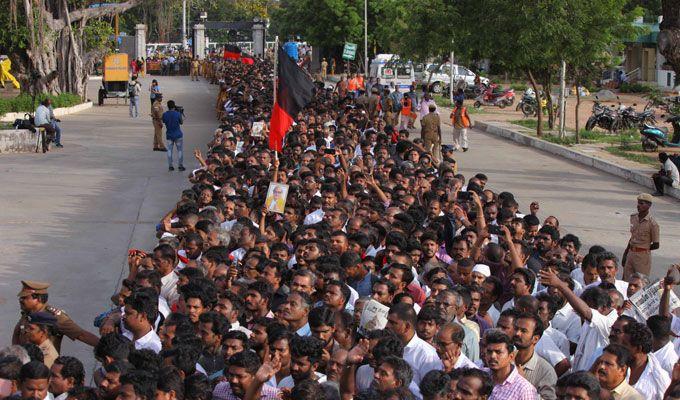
x=180, y=110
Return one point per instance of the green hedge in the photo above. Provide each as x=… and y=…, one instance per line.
x=635, y=88
x=24, y=102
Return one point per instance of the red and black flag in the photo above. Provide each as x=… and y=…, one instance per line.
x=293, y=92
x=232, y=52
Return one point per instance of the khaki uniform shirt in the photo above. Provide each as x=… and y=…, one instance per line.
x=65, y=327
x=643, y=233
x=431, y=126
x=157, y=111
x=49, y=353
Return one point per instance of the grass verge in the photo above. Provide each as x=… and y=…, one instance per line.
x=24, y=102
x=627, y=152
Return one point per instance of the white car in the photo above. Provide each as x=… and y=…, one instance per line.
x=440, y=78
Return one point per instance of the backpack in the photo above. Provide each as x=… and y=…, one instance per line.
x=26, y=123
x=133, y=90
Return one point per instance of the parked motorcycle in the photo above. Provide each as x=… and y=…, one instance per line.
x=528, y=104
x=494, y=97
x=655, y=136
x=604, y=117
x=632, y=119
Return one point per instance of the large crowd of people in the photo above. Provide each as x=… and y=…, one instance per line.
x=480, y=301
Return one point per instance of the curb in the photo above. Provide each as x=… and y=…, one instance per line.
x=590, y=161
x=58, y=112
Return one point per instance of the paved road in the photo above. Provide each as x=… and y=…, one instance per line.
x=591, y=204
x=69, y=216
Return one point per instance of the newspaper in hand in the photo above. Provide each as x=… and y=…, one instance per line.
x=373, y=317
x=647, y=300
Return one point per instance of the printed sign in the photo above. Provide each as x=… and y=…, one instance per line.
x=646, y=301
x=373, y=317
x=349, y=52
x=276, y=197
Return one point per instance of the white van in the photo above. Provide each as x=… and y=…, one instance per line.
x=392, y=71
x=440, y=78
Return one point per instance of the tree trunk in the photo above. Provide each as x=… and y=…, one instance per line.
x=539, y=127
x=53, y=61
x=547, y=89
x=669, y=37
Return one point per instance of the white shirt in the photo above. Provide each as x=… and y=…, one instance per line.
x=567, y=321
x=508, y=304
x=594, y=335
x=169, y=287
x=546, y=348
x=422, y=358
x=42, y=116
x=236, y=326
x=559, y=338
x=149, y=341
x=654, y=380
x=494, y=314
x=668, y=166
x=667, y=356
x=163, y=307
x=464, y=362
x=314, y=217
x=288, y=382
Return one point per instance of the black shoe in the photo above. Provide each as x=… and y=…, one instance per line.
x=465, y=149
x=181, y=168
x=171, y=168
x=59, y=145
x=657, y=194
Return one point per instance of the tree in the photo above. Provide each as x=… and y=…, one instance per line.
x=55, y=43
x=669, y=36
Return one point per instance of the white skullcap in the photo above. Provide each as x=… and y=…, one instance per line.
x=482, y=269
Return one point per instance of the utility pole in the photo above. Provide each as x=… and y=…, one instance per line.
x=563, y=85
x=184, y=24
x=366, y=38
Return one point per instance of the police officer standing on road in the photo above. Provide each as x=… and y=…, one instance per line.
x=33, y=298
x=431, y=133
x=644, y=237
x=157, y=118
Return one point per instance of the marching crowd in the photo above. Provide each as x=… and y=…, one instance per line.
x=238, y=302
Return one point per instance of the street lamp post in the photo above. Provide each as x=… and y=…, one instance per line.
x=366, y=37
x=184, y=24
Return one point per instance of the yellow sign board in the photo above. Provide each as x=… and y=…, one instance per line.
x=116, y=68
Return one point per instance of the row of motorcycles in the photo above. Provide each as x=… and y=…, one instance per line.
x=614, y=119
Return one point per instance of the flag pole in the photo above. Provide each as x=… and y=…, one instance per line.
x=276, y=75
x=276, y=64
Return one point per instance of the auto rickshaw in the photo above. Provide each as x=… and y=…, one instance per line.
x=115, y=79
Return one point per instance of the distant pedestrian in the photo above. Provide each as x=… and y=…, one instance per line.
x=324, y=69
x=155, y=90
x=174, y=136
x=332, y=66
x=133, y=93
x=195, y=65
x=460, y=119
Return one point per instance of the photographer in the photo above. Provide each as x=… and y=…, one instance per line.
x=172, y=119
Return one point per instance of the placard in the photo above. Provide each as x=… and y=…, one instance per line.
x=256, y=130
x=276, y=197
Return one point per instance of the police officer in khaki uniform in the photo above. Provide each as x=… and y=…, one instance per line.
x=644, y=237
x=431, y=133
x=37, y=331
x=157, y=119
x=33, y=298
